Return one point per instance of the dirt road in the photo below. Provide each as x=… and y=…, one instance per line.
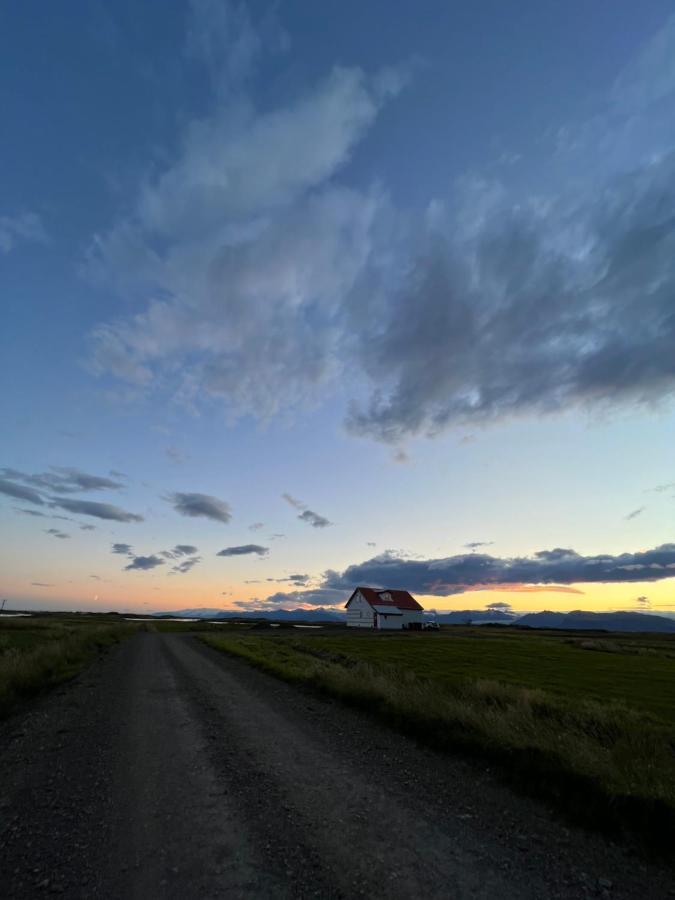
x=168, y=770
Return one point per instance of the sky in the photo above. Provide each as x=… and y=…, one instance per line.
x=298, y=297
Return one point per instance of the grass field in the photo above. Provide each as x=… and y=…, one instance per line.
x=586, y=721
x=40, y=651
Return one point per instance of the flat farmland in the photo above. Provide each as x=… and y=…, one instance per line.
x=631, y=670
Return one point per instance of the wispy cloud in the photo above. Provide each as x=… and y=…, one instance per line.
x=20, y=492
x=25, y=226
x=177, y=456
x=297, y=504
x=97, y=510
x=63, y=480
x=425, y=311
x=179, y=550
x=307, y=515
x=662, y=488
x=185, y=565
x=636, y=512
x=56, y=533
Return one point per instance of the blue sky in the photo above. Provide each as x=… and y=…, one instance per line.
x=412, y=268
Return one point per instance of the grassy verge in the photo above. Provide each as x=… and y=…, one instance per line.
x=37, y=654
x=606, y=764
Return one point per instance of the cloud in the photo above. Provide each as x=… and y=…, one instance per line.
x=178, y=551
x=20, y=492
x=662, y=488
x=63, y=480
x=144, y=563
x=186, y=564
x=499, y=606
x=472, y=571
x=184, y=549
x=97, y=510
x=312, y=597
x=255, y=239
x=401, y=457
x=244, y=550
x=176, y=456
x=33, y=512
x=312, y=518
x=26, y=226
x=635, y=513
x=123, y=549
x=297, y=504
x=258, y=280
x=201, y=505
x=223, y=38
x=56, y=533
x=299, y=579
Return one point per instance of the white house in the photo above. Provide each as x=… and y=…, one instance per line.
x=368, y=608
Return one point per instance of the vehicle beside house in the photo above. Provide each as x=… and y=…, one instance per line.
x=390, y=610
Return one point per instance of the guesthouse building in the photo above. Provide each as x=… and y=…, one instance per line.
x=383, y=610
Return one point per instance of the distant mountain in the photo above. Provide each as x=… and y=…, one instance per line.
x=615, y=621
x=474, y=617
x=318, y=614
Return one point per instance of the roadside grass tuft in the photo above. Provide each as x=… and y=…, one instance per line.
x=38, y=654
x=606, y=764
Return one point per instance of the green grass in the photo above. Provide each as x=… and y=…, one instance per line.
x=39, y=652
x=587, y=722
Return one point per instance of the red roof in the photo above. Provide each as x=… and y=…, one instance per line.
x=399, y=599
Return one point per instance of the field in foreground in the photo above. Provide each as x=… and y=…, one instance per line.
x=588, y=722
x=40, y=651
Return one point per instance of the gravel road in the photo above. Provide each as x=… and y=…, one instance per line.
x=168, y=770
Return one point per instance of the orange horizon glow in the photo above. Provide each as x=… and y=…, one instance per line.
x=103, y=596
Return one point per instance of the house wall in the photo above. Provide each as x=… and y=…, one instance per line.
x=397, y=623
x=360, y=613
x=389, y=623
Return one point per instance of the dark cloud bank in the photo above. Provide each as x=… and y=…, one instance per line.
x=455, y=574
